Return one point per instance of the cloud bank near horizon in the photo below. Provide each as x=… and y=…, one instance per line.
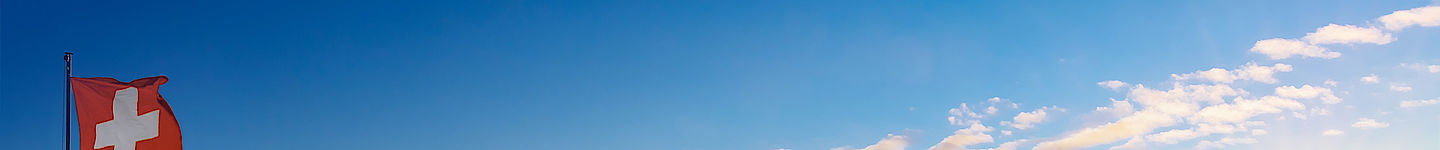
x=1213, y=108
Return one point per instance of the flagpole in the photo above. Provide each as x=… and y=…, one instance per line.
x=67, y=100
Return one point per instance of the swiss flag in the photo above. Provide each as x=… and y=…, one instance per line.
x=118, y=115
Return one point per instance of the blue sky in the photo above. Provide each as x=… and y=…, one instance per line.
x=732, y=74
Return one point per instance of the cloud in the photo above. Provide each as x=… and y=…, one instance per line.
x=1112, y=84
x=1196, y=107
x=1130, y=126
x=1319, y=111
x=963, y=115
x=1116, y=109
x=1428, y=16
x=1347, y=34
x=1308, y=92
x=975, y=134
x=1418, y=103
x=1225, y=142
x=1243, y=109
x=1332, y=132
x=1249, y=71
x=1299, y=115
x=1209, y=145
x=1399, y=87
x=1012, y=145
x=1173, y=136
x=1421, y=67
x=1367, y=123
x=1027, y=120
x=891, y=142
x=1181, y=100
x=1135, y=143
x=1176, y=135
x=1278, y=48
x=1161, y=109
x=1372, y=78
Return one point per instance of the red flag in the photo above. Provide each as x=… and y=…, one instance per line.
x=117, y=115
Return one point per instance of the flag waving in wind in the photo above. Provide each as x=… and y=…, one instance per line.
x=118, y=115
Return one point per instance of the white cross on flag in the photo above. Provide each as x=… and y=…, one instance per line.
x=118, y=115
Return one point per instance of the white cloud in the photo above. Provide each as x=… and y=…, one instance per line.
x=1225, y=142
x=1208, y=145
x=1421, y=67
x=1428, y=16
x=891, y=142
x=1372, y=78
x=1250, y=71
x=1130, y=126
x=1347, y=34
x=1181, y=100
x=1012, y=145
x=1319, y=111
x=1221, y=118
x=1204, y=109
x=1027, y=120
x=1201, y=130
x=1400, y=87
x=1367, y=123
x=1135, y=143
x=1173, y=136
x=1112, y=84
x=1418, y=103
x=1278, y=48
x=1332, y=132
x=1299, y=115
x=1314, y=111
x=963, y=115
x=965, y=137
x=1308, y=92
x=1161, y=109
x=1242, y=110
x=1116, y=109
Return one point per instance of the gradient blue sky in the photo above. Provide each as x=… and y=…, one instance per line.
x=375, y=74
